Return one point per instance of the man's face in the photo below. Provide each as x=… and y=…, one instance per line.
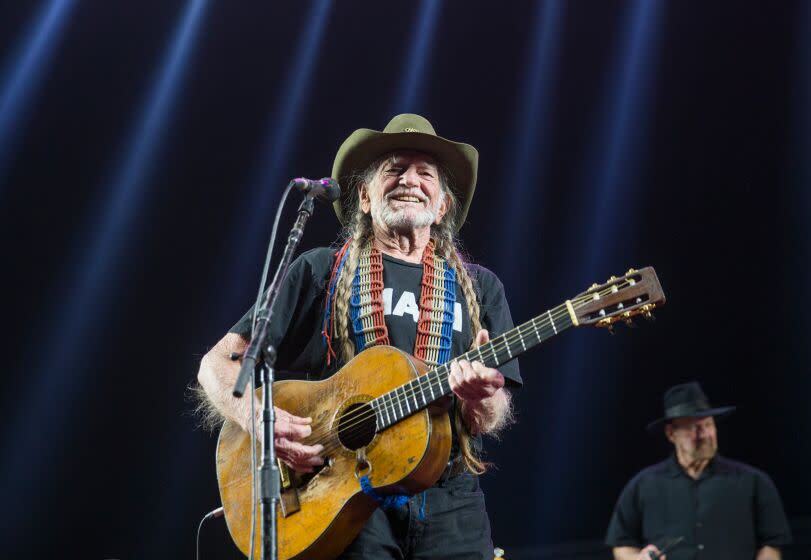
x=694, y=438
x=405, y=193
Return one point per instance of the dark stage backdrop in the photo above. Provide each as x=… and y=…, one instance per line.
x=143, y=149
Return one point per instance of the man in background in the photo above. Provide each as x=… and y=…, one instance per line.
x=696, y=503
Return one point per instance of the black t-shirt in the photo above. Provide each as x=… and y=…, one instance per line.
x=728, y=513
x=298, y=316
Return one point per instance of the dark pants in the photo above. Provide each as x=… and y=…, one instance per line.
x=447, y=521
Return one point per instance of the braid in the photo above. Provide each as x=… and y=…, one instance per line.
x=448, y=249
x=360, y=231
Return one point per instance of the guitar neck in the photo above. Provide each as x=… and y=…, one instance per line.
x=415, y=395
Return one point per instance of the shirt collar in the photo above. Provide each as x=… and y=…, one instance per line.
x=674, y=469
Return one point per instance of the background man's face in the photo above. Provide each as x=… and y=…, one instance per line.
x=406, y=193
x=695, y=439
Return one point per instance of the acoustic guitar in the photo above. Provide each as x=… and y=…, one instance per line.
x=375, y=419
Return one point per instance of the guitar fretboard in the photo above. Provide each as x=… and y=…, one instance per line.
x=415, y=395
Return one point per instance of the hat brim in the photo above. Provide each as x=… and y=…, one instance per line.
x=364, y=146
x=718, y=412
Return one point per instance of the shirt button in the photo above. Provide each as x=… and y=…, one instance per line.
x=701, y=547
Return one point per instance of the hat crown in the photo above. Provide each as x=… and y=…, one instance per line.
x=409, y=122
x=688, y=400
x=686, y=394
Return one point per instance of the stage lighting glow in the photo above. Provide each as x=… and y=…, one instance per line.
x=609, y=177
x=269, y=183
x=25, y=70
x=91, y=288
x=618, y=150
x=410, y=91
x=531, y=126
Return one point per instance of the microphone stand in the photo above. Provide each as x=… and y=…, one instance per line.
x=269, y=481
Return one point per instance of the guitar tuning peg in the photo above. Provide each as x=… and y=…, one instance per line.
x=594, y=286
x=630, y=323
x=612, y=279
x=649, y=316
x=610, y=329
x=630, y=271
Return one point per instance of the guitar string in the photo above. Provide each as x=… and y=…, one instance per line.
x=496, y=347
x=328, y=438
x=332, y=441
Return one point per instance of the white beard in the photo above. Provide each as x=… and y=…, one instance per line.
x=402, y=218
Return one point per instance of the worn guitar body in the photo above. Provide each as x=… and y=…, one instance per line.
x=405, y=458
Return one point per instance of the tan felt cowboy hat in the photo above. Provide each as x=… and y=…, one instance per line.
x=406, y=132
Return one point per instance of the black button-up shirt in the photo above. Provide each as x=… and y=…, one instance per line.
x=728, y=513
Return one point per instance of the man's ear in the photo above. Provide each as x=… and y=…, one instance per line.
x=363, y=196
x=443, y=208
x=668, y=429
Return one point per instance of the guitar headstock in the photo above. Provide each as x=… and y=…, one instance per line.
x=637, y=292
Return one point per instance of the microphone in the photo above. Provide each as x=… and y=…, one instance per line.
x=326, y=189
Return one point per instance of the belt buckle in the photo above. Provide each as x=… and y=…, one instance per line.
x=452, y=469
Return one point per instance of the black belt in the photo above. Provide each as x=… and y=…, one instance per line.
x=454, y=468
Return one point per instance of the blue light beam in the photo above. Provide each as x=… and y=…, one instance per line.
x=90, y=291
x=608, y=182
x=409, y=98
x=25, y=70
x=619, y=145
x=269, y=182
x=531, y=126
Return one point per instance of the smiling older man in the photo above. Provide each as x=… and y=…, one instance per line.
x=406, y=193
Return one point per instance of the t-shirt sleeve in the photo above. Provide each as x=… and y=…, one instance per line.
x=295, y=324
x=289, y=294
x=496, y=318
x=771, y=523
x=625, y=527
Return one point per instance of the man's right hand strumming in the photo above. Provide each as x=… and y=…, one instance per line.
x=217, y=375
x=289, y=431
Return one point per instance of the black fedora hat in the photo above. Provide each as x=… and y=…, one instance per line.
x=687, y=400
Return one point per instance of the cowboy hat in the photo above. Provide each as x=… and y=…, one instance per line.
x=405, y=132
x=687, y=400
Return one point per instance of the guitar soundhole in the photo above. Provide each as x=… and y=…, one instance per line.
x=356, y=426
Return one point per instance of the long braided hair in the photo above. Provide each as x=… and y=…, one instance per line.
x=359, y=231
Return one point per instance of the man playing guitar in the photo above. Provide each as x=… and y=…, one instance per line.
x=395, y=278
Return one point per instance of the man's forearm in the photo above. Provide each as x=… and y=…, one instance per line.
x=488, y=416
x=217, y=376
x=626, y=553
x=768, y=553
